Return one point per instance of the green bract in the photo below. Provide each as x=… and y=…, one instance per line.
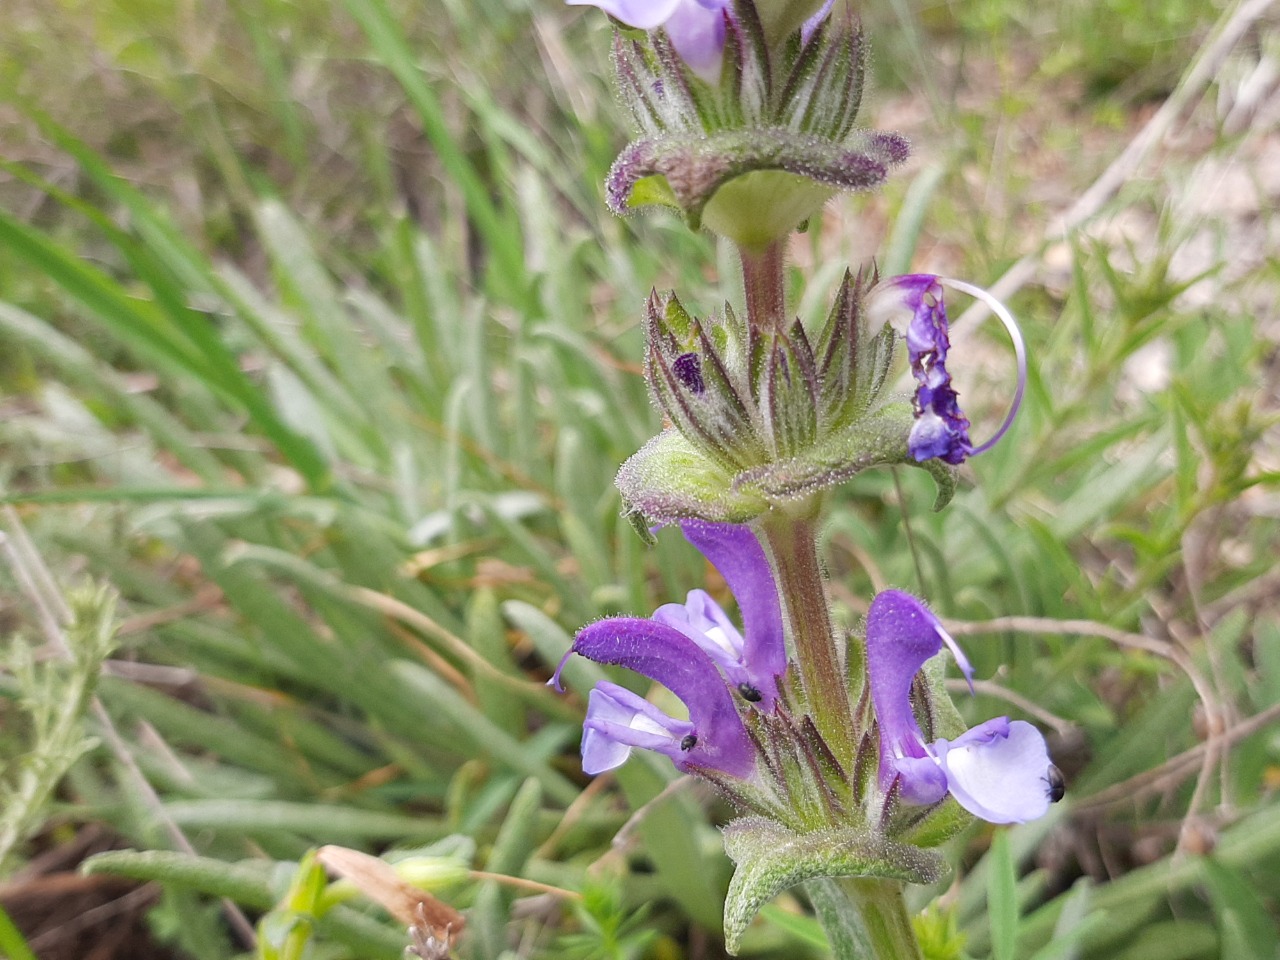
x=770, y=858
x=759, y=418
x=757, y=154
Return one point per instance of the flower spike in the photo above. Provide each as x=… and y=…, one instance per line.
x=999, y=770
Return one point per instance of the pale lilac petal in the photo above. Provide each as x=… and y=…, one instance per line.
x=735, y=551
x=701, y=620
x=810, y=26
x=998, y=771
x=697, y=33
x=667, y=656
x=618, y=720
x=641, y=14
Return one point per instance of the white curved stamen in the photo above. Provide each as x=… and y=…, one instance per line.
x=1019, y=349
x=961, y=660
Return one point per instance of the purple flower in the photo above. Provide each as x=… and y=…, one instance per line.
x=618, y=720
x=696, y=27
x=998, y=770
x=811, y=25
x=751, y=663
x=697, y=653
x=941, y=429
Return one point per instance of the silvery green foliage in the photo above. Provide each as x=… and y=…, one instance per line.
x=787, y=109
x=760, y=417
x=55, y=695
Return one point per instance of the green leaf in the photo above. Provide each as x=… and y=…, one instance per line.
x=770, y=858
x=1002, y=899
x=511, y=849
x=669, y=480
x=676, y=839
x=1247, y=929
x=484, y=735
x=1179, y=940
x=13, y=944
x=901, y=245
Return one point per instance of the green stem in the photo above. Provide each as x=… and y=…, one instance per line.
x=765, y=286
x=793, y=546
x=864, y=918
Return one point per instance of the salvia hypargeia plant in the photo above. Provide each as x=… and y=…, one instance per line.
x=842, y=751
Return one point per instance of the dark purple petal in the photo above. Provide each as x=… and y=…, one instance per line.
x=688, y=370
x=998, y=771
x=901, y=635
x=734, y=550
x=941, y=429
x=667, y=656
x=618, y=720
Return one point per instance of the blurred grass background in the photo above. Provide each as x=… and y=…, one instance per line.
x=320, y=352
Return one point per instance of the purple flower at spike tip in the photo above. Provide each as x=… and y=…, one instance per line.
x=941, y=429
x=999, y=770
x=696, y=27
x=695, y=651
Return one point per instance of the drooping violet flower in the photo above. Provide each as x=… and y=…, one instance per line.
x=941, y=429
x=999, y=770
x=714, y=736
x=696, y=652
x=696, y=27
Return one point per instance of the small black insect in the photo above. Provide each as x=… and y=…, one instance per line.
x=1056, y=783
x=688, y=742
x=750, y=693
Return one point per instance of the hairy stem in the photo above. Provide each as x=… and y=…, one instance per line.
x=793, y=546
x=765, y=286
x=865, y=918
